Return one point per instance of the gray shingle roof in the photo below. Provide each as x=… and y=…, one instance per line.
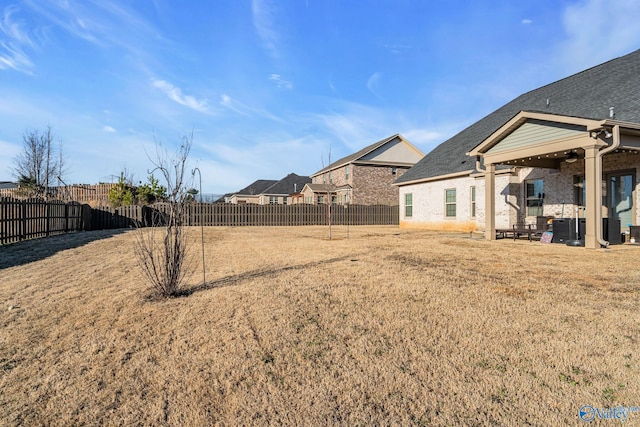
x=257, y=187
x=8, y=185
x=355, y=156
x=288, y=184
x=587, y=94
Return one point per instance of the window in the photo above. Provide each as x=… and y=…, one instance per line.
x=408, y=205
x=394, y=170
x=450, y=202
x=535, y=197
x=473, y=201
x=330, y=177
x=284, y=200
x=273, y=200
x=346, y=173
x=320, y=200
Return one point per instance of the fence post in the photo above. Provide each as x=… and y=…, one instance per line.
x=66, y=218
x=23, y=206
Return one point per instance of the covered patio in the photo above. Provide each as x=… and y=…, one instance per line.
x=555, y=142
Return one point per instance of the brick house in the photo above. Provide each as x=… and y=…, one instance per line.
x=284, y=192
x=365, y=177
x=568, y=150
x=251, y=193
x=267, y=191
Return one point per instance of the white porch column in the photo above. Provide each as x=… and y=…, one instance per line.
x=592, y=203
x=490, y=201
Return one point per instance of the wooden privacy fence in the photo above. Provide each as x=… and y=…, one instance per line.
x=247, y=215
x=32, y=218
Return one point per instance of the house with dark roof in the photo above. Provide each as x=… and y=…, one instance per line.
x=365, y=177
x=251, y=193
x=569, y=149
x=284, y=192
x=267, y=191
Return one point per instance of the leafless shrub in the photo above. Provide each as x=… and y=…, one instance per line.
x=162, y=249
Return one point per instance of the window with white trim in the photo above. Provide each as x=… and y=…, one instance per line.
x=473, y=201
x=450, y=202
x=408, y=205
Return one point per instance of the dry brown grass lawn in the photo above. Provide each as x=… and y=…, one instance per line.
x=387, y=327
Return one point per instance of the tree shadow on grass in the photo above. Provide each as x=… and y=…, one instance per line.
x=27, y=251
x=249, y=275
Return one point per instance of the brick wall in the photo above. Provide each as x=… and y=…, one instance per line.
x=370, y=184
x=559, y=201
x=374, y=185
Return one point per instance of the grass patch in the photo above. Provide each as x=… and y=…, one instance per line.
x=387, y=326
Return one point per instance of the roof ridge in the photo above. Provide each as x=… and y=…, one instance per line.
x=360, y=153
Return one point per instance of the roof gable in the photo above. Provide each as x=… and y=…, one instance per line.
x=527, y=129
x=393, y=151
x=534, y=132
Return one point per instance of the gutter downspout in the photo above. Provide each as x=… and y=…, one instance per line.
x=614, y=145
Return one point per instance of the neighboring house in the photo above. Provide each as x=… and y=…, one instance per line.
x=264, y=191
x=568, y=146
x=286, y=191
x=251, y=193
x=365, y=177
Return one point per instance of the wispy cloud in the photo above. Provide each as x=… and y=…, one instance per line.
x=13, y=29
x=175, y=94
x=423, y=137
x=259, y=155
x=527, y=21
x=13, y=38
x=233, y=105
x=280, y=82
x=373, y=82
x=264, y=23
x=108, y=129
x=101, y=24
x=597, y=30
x=245, y=110
x=397, y=48
x=13, y=57
x=356, y=125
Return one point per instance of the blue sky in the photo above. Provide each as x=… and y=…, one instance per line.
x=270, y=87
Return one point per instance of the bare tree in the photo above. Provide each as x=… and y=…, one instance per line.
x=40, y=164
x=162, y=248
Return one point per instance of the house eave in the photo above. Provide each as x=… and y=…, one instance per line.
x=521, y=118
x=435, y=178
x=387, y=164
